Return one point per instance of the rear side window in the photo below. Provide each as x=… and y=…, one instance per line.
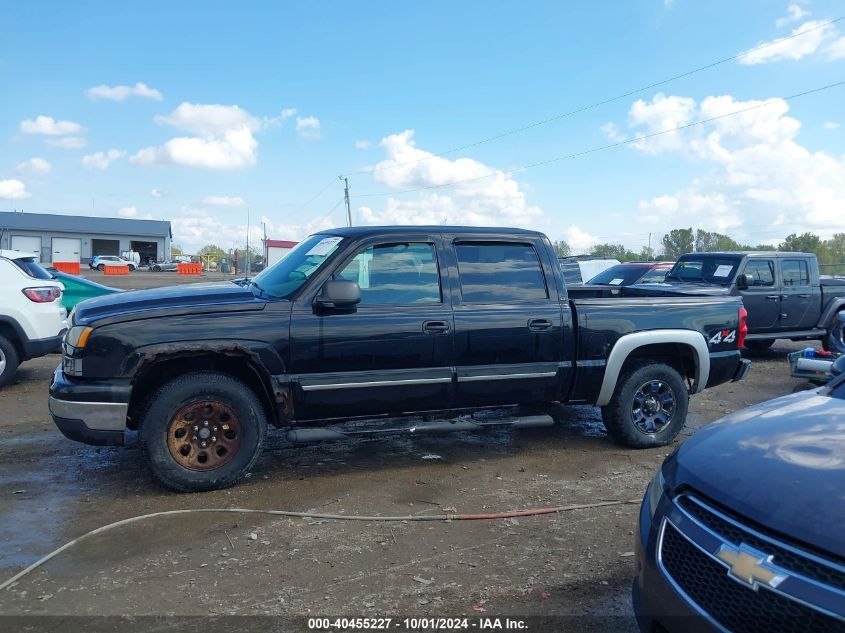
x=500, y=272
x=761, y=271
x=795, y=272
x=395, y=274
x=32, y=268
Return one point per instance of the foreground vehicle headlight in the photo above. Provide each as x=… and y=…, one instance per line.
x=656, y=490
x=77, y=336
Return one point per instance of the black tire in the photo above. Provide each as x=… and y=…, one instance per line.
x=9, y=361
x=834, y=340
x=156, y=269
x=183, y=392
x=132, y=268
x=627, y=416
x=101, y=267
x=759, y=345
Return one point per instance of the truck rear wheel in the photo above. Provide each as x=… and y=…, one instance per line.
x=834, y=340
x=9, y=361
x=202, y=431
x=649, y=406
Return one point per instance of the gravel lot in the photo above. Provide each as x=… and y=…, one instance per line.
x=573, y=564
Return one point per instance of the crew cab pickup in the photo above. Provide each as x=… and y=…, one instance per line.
x=358, y=324
x=782, y=291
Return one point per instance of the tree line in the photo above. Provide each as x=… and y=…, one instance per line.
x=679, y=241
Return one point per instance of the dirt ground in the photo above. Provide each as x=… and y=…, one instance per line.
x=573, y=564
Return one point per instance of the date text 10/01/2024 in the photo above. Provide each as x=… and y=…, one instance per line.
x=416, y=624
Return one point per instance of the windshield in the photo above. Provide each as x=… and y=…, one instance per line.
x=285, y=277
x=718, y=270
x=620, y=275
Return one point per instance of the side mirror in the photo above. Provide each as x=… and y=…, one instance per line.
x=743, y=281
x=338, y=294
x=838, y=367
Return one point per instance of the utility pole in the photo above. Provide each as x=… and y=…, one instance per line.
x=247, y=243
x=650, y=254
x=346, y=197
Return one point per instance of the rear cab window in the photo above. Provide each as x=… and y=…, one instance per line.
x=795, y=272
x=500, y=272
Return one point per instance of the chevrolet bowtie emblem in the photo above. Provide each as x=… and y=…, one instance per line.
x=750, y=566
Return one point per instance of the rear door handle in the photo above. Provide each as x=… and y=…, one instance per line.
x=772, y=297
x=804, y=296
x=539, y=325
x=435, y=327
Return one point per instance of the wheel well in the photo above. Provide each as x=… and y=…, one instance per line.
x=156, y=373
x=8, y=332
x=678, y=356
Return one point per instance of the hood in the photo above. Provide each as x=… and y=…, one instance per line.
x=170, y=300
x=690, y=288
x=780, y=463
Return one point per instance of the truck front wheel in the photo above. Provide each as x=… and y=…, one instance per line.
x=649, y=406
x=202, y=431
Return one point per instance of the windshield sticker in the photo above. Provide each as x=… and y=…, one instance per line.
x=723, y=271
x=616, y=282
x=324, y=246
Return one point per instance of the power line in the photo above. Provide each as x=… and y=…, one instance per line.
x=593, y=150
x=317, y=195
x=597, y=104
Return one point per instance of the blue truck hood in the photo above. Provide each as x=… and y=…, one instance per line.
x=170, y=300
x=780, y=463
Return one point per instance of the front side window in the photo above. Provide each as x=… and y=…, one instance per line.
x=403, y=273
x=500, y=272
x=288, y=275
x=654, y=276
x=795, y=272
x=761, y=272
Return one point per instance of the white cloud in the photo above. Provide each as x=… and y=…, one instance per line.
x=194, y=227
x=120, y=93
x=830, y=125
x=224, y=138
x=224, y=201
x=68, y=142
x=813, y=37
x=13, y=190
x=308, y=127
x=49, y=126
x=793, y=13
x=363, y=144
x=128, y=212
x=288, y=113
x=837, y=49
x=157, y=193
x=661, y=113
x=495, y=200
x=35, y=165
x=580, y=241
x=102, y=160
x=755, y=161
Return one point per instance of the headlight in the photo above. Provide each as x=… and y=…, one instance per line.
x=656, y=489
x=78, y=335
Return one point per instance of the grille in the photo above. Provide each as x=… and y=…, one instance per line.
x=783, y=557
x=737, y=608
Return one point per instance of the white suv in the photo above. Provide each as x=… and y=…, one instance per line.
x=32, y=318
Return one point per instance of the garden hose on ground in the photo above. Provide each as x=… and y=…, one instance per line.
x=314, y=515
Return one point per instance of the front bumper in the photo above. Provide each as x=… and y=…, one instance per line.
x=35, y=348
x=99, y=418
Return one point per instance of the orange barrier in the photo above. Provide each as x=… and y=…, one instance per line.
x=188, y=269
x=116, y=270
x=71, y=268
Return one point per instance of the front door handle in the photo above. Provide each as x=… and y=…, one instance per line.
x=772, y=297
x=435, y=327
x=539, y=325
x=804, y=296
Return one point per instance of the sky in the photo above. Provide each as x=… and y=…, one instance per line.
x=529, y=114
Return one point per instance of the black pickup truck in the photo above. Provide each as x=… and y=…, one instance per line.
x=358, y=324
x=783, y=292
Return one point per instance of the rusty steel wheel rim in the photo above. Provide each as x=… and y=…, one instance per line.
x=204, y=435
